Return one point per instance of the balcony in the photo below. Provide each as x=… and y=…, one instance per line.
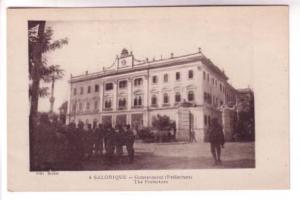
x=107, y=109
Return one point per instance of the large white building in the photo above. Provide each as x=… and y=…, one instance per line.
x=133, y=91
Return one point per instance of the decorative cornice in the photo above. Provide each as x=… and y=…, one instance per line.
x=141, y=67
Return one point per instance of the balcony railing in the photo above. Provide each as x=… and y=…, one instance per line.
x=137, y=106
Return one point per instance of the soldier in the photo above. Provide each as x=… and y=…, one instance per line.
x=109, y=142
x=80, y=139
x=216, y=139
x=99, y=137
x=71, y=135
x=88, y=142
x=119, y=137
x=129, y=142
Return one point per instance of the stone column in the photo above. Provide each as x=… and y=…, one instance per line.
x=129, y=99
x=101, y=100
x=146, y=99
x=115, y=96
x=130, y=94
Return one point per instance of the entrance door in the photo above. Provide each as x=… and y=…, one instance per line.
x=107, y=120
x=184, y=124
x=121, y=120
x=137, y=121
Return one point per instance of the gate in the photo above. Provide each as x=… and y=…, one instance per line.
x=185, y=124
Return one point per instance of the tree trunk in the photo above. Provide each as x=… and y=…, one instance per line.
x=35, y=74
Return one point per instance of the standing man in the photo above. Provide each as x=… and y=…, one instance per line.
x=216, y=139
x=99, y=140
x=129, y=143
x=110, y=143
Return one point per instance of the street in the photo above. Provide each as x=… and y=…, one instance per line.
x=178, y=155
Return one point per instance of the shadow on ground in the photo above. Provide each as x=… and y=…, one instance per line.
x=166, y=156
x=147, y=161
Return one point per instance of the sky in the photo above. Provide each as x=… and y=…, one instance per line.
x=224, y=38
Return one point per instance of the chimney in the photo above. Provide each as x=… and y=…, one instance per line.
x=172, y=55
x=86, y=72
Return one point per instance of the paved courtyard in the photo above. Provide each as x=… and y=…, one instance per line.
x=179, y=155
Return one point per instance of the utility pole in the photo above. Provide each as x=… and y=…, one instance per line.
x=52, y=98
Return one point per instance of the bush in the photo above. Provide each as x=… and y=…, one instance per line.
x=146, y=135
x=162, y=122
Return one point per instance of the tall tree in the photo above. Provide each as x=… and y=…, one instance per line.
x=39, y=43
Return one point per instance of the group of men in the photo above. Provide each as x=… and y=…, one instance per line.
x=100, y=140
x=57, y=144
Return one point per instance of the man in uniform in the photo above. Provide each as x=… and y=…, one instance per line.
x=216, y=139
x=80, y=133
x=99, y=136
x=109, y=142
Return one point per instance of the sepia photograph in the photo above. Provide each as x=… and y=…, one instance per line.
x=132, y=107
x=139, y=90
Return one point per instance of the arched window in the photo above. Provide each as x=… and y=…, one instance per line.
x=154, y=79
x=109, y=86
x=123, y=84
x=122, y=103
x=140, y=101
x=177, y=76
x=191, y=96
x=87, y=105
x=137, y=101
x=96, y=88
x=177, y=97
x=138, y=81
x=191, y=74
x=154, y=100
x=166, y=98
x=107, y=103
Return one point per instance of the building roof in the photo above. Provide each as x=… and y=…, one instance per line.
x=140, y=65
x=244, y=90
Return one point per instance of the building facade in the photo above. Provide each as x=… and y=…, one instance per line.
x=133, y=91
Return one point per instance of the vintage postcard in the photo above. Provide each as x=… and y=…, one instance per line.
x=148, y=98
